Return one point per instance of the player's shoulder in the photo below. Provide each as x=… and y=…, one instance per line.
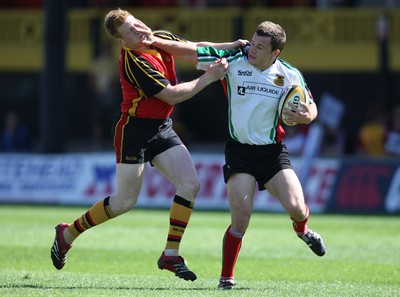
x=291, y=71
x=242, y=66
x=286, y=65
x=165, y=34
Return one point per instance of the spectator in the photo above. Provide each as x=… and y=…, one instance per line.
x=372, y=134
x=392, y=144
x=15, y=135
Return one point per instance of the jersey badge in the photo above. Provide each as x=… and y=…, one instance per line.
x=279, y=80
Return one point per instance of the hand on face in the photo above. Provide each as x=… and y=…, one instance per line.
x=141, y=27
x=135, y=34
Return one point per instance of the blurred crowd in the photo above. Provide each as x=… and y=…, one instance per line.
x=322, y=4
x=378, y=136
x=193, y=3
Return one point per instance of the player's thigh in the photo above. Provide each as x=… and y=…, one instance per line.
x=286, y=187
x=177, y=165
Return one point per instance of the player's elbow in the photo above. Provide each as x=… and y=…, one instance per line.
x=313, y=112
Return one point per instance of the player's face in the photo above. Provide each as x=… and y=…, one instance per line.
x=260, y=52
x=133, y=32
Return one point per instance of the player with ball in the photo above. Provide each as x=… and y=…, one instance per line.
x=256, y=84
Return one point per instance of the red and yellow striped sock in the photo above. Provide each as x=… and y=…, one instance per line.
x=99, y=213
x=180, y=212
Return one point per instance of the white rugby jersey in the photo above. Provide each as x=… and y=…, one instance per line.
x=253, y=95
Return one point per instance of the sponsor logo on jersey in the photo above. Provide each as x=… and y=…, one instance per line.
x=249, y=87
x=245, y=72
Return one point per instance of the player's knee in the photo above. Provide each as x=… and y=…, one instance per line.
x=241, y=218
x=122, y=205
x=196, y=187
x=241, y=223
x=193, y=188
x=297, y=212
x=242, y=212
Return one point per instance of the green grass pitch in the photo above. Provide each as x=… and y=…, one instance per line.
x=119, y=257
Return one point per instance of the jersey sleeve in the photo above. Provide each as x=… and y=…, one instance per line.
x=310, y=98
x=168, y=35
x=142, y=74
x=207, y=55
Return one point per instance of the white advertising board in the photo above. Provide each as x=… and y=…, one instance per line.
x=82, y=179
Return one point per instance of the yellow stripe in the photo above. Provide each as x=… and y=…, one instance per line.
x=135, y=103
x=128, y=70
x=142, y=66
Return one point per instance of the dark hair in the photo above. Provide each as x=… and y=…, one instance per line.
x=275, y=32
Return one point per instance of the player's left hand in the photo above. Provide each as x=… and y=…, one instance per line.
x=300, y=115
x=239, y=43
x=142, y=28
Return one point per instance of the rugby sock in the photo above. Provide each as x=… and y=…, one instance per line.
x=180, y=212
x=300, y=227
x=99, y=213
x=232, y=243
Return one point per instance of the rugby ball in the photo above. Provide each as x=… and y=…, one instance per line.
x=293, y=94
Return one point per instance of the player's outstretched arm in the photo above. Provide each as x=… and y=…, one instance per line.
x=183, y=91
x=224, y=45
x=186, y=51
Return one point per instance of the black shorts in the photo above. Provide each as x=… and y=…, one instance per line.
x=260, y=161
x=137, y=141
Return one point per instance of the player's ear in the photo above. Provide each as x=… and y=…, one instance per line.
x=276, y=52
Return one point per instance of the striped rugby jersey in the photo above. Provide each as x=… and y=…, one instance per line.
x=144, y=74
x=253, y=95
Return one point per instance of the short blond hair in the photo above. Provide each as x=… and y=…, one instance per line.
x=114, y=19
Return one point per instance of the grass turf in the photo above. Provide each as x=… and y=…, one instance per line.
x=119, y=257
